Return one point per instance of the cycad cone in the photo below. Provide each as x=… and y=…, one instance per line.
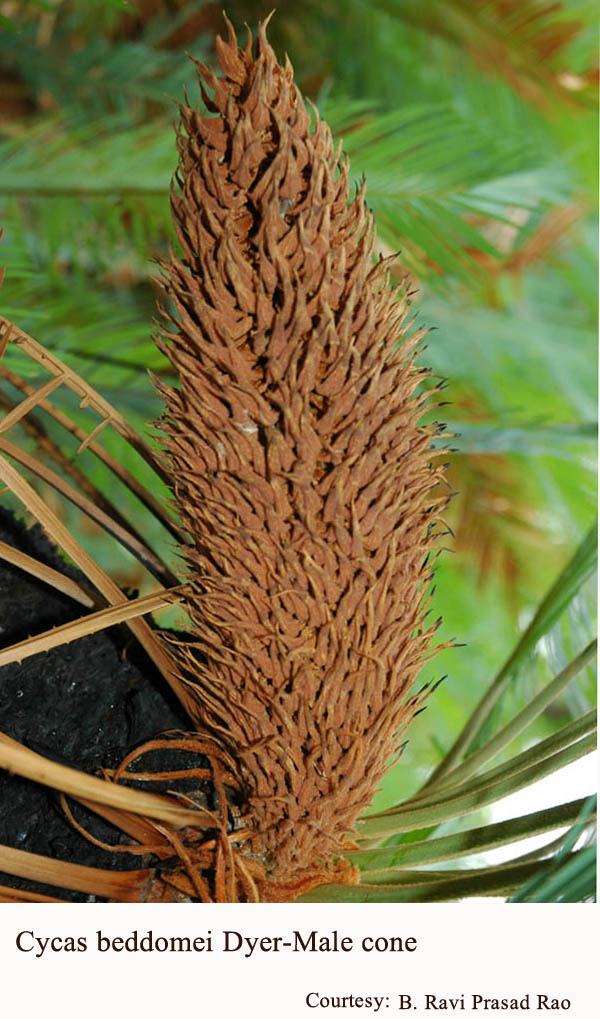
x=298, y=465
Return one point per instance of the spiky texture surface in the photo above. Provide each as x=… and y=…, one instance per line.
x=298, y=463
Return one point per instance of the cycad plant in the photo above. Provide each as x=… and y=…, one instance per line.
x=307, y=502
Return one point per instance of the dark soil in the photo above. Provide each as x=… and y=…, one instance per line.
x=85, y=704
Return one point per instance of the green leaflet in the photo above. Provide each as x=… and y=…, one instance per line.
x=573, y=881
x=464, y=843
x=435, y=886
x=566, y=879
x=495, y=785
x=518, y=725
x=566, y=586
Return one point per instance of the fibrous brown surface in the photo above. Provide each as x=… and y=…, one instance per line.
x=298, y=464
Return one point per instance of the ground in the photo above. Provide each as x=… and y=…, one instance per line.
x=85, y=704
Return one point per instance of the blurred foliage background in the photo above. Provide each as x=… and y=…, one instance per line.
x=474, y=122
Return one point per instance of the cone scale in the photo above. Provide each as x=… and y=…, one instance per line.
x=298, y=465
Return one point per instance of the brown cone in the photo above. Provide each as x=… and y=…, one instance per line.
x=298, y=464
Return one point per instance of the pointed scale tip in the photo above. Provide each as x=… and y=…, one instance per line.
x=263, y=42
x=230, y=29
